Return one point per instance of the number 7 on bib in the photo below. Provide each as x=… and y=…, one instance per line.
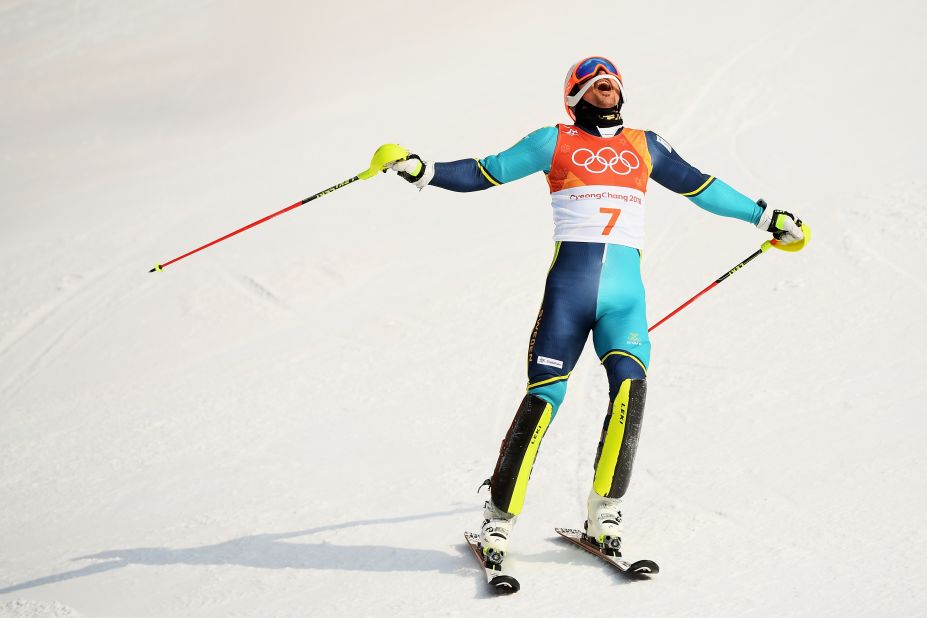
x=615, y=213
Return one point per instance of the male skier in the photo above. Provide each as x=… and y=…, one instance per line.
x=598, y=171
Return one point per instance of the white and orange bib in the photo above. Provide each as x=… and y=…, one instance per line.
x=597, y=186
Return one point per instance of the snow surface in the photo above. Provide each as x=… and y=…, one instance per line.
x=295, y=422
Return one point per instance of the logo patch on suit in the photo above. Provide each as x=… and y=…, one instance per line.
x=607, y=158
x=550, y=362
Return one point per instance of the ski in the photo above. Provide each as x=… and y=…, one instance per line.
x=498, y=581
x=641, y=569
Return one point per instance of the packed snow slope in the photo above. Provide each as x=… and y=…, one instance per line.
x=295, y=422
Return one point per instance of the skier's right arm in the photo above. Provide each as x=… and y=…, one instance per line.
x=532, y=154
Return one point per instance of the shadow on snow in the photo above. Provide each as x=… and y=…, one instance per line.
x=271, y=551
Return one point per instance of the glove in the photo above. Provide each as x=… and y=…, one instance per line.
x=413, y=169
x=784, y=226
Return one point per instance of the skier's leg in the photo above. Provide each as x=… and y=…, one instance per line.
x=564, y=320
x=621, y=310
x=621, y=341
x=517, y=454
x=614, y=461
x=620, y=434
x=566, y=315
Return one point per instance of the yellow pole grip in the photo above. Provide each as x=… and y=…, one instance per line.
x=792, y=247
x=382, y=158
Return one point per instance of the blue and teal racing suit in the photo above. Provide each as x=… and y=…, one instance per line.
x=591, y=286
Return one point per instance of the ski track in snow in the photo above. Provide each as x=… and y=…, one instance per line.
x=257, y=291
x=24, y=608
x=49, y=329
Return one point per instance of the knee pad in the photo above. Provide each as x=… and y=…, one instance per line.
x=516, y=456
x=620, y=434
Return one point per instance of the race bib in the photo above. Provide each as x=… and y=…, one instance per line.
x=595, y=213
x=597, y=186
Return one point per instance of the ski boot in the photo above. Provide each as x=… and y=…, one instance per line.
x=494, y=535
x=603, y=524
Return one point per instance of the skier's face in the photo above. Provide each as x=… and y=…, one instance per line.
x=604, y=93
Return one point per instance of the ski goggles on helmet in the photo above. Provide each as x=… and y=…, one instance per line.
x=587, y=72
x=590, y=66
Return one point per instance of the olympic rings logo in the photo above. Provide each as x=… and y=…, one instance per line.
x=606, y=159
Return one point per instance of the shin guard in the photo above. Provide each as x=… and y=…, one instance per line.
x=620, y=434
x=516, y=456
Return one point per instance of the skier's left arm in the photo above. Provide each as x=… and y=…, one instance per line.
x=714, y=195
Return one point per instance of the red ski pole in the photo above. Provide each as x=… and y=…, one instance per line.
x=766, y=245
x=385, y=154
x=791, y=247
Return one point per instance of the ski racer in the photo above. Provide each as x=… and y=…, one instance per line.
x=598, y=172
